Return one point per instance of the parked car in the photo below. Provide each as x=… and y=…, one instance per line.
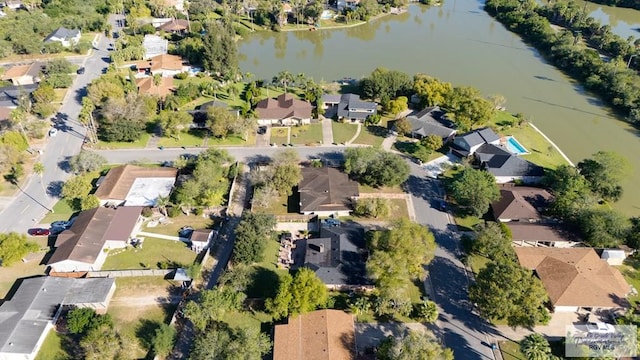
x=442, y=205
x=53, y=132
x=81, y=71
x=262, y=130
x=60, y=224
x=600, y=328
x=39, y=232
x=185, y=231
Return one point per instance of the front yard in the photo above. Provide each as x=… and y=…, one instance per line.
x=192, y=138
x=307, y=134
x=138, y=144
x=342, y=132
x=371, y=135
x=280, y=135
x=153, y=251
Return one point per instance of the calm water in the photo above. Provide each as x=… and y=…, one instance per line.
x=459, y=43
x=623, y=22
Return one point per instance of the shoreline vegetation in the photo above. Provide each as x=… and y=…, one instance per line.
x=623, y=4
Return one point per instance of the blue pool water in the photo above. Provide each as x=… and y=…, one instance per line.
x=514, y=146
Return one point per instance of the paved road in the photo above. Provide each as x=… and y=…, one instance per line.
x=463, y=331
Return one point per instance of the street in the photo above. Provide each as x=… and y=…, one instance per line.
x=39, y=195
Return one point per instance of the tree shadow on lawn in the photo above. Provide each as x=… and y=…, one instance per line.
x=265, y=283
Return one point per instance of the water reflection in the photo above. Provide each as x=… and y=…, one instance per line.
x=623, y=22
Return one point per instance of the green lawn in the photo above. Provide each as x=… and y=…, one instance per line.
x=60, y=94
x=398, y=210
x=466, y=223
x=384, y=189
x=232, y=140
x=140, y=143
x=193, y=138
x=342, y=132
x=197, y=222
x=510, y=350
x=630, y=271
x=278, y=206
x=61, y=211
x=306, y=134
x=52, y=348
x=153, y=251
x=195, y=103
x=370, y=135
x=279, y=135
x=267, y=274
x=541, y=151
x=246, y=319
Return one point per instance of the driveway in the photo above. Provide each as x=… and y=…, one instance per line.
x=369, y=335
x=439, y=165
x=263, y=140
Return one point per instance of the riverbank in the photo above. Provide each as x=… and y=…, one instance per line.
x=564, y=156
x=334, y=27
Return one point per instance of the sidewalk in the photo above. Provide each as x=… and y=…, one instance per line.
x=159, y=236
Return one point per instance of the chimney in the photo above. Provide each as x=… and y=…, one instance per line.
x=321, y=247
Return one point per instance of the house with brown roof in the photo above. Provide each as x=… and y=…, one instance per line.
x=24, y=74
x=520, y=203
x=284, y=110
x=320, y=335
x=576, y=278
x=165, y=65
x=175, y=26
x=131, y=185
x=326, y=191
x=147, y=86
x=84, y=246
x=542, y=234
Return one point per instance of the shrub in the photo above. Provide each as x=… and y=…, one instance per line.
x=147, y=212
x=198, y=211
x=181, y=76
x=174, y=211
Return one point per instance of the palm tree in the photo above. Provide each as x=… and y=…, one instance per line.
x=284, y=78
x=535, y=347
x=234, y=91
x=161, y=203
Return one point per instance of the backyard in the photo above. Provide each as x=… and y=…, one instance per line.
x=342, y=132
x=306, y=134
x=174, y=224
x=631, y=272
x=152, y=252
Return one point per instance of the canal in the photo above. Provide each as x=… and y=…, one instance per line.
x=457, y=42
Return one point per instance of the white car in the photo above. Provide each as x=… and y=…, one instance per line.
x=600, y=328
x=53, y=132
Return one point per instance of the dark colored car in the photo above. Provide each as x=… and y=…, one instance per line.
x=185, y=231
x=39, y=232
x=80, y=71
x=262, y=130
x=442, y=205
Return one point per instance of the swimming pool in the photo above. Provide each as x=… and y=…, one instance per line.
x=515, y=147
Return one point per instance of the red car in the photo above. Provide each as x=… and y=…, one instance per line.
x=39, y=232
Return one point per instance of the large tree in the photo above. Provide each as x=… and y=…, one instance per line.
x=469, y=108
x=535, y=347
x=220, y=121
x=13, y=247
x=299, y=294
x=385, y=84
x=504, y=290
x=211, y=305
x=603, y=227
x=375, y=167
x=252, y=234
x=225, y=343
x=174, y=123
x=604, y=171
x=220, y=50
x=475, y=190
x=413, y=345
x=492, y=242
x=431, y=90
x=571, y=191
x=87, y=161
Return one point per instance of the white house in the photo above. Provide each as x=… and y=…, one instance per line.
x=347, y=4
x=85, y=245
x=66, y=37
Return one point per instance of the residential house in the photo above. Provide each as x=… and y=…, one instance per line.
x=338, y=258
x=326, y=191
x=467, y=144
x=34, y=309
x=576, y=278
x=11, y=96
x=24, y=74
x=200, y=113
x=431, y=121
x=67, y=37
x=347, y=4
x=520, y=203
x=165, y=65
x=505, y=166
x=175, y=26
x=319, y=335
x=148, y=86
x=157, y=22
x=284, y=110
x=11, y=4
x=349, y=107
x=154, y=45
x=131, y=185
x=84, y=246
x=201, y=239
x=542, y=235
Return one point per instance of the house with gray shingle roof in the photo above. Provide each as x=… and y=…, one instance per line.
x=431, y=121
x=27, y=318
x=66, y=37
x=326, y=191
x=466, y=145
x=505, y=166
x=349, y=107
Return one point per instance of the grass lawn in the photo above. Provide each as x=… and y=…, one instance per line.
x=232, y=140
x=267, y=275
x=52, y=348
x=630, y=271
x=193, y=138
x=280, y=205
x=197, y=222
x=247, y=319
x=384, y=189
x=9, y=275
x=510, y=350
x=541, y=151
x=153, y=251
x=140, y=143
x=397, y=210
x=306, y=134
x=279, y=135
x=193, y=80
x=342, y=132
x=371, y=135
x=195, y=103
x=466, y=223
x=60, y=93
x=61, y=211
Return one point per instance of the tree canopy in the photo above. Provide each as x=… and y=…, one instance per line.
x=87, y=161
x=209, y=182
x=385, y=84
x=211, y=305
x=299, y=294
x=604, y=171
x=535, y=347
x=252, y=234
x=474, y=189
x=13, y=247
x=413, y=345
x=375, y=167
x=225, y=343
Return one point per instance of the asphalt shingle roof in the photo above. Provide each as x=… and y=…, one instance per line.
x=326, y=189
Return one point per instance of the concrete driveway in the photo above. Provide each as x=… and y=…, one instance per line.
x=263, y=140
